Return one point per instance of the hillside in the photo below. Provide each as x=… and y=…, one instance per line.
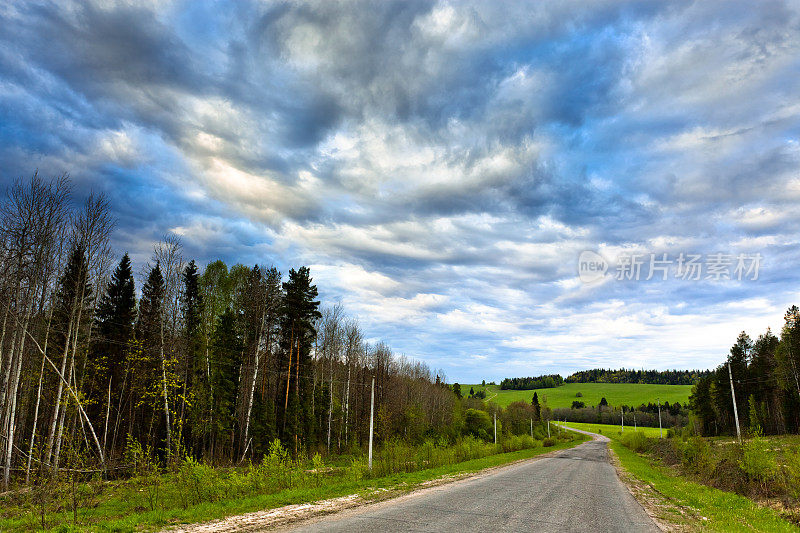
x=633, y=394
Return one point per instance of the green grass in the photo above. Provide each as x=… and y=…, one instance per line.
x=693, y=504
x=714, y=510
x=633, y=394
x=613, y=432
x=120, y=509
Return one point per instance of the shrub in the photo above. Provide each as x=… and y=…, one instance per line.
x=636, y=441
x=317, y=467
x=669, y=451
x=357, y=470
x=197, y=482
x=757, y=461
x=518, y=442
x=145, y=466
x=548, y=442
x=793, y=473
x=696, y=455
x=479, y=424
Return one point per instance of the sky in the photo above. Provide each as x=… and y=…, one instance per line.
x=441, y=166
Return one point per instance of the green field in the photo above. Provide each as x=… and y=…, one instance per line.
x=615, y=394
x=613, y=432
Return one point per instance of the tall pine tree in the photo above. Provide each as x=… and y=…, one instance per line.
x=195, y=395
x=152, y=371
x=300, y=310
x=115, y=322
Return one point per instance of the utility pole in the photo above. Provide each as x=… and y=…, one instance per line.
x=548, y=429
x=622, y=419
x=660, y=431
x=371, y=419
x=634, y=419
x=735, y=410
x=531, y=427
x=495, y=427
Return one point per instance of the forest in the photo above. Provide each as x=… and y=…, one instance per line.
x=539, y=382
x=212, y=363
x=651, y=377
x=765, y=375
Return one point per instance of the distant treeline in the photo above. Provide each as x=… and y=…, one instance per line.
x=674, y=415
x=651, y=377
x=602, y=375
x=539, y=382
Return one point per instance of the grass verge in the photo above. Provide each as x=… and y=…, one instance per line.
x=115, y=512
x=692, y=505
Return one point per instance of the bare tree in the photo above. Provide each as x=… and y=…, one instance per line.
x=91, y=230
x=167, y=253
x=33, y=219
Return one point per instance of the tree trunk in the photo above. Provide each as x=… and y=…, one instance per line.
x=59, y=390
x=253, y=385
x=347, y=406
x=12, y=394
x=77, y=329
x=77, y=401
x=288, y=379
x=164, y=390
x=330, y=408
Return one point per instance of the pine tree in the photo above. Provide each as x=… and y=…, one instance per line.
x=226, y=347
x=195, y=387
x=151, y=306
x=150, y=332
x=116, y=318
x=300, y=310
x=71, y=314
x=536, y=407
x=739, y=359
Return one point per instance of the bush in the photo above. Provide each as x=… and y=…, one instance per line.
x=145, y=467
x=792, y=473
x=197, y=482
x=757, y=461
x=636, y=441
x=696, y=455
x=357, y=470
x=548, y=442
x=518, y=442
x=478, y=424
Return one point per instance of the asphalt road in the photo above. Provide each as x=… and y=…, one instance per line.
x=574, y=490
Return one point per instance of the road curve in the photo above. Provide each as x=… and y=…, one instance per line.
x=573, y=490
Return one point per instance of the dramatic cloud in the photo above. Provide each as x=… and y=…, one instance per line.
x=439, y=165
